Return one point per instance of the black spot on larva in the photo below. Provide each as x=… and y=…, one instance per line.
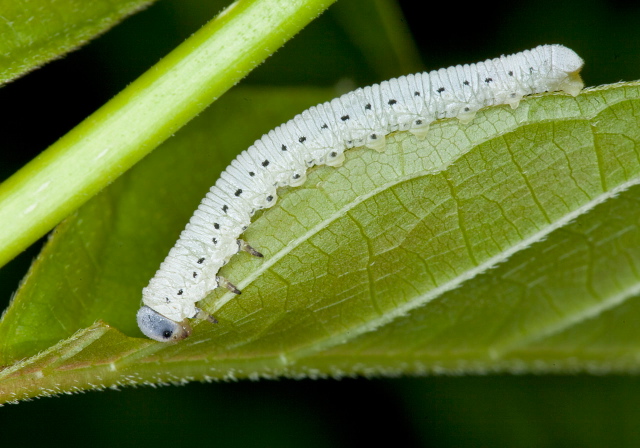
x=265, y=163
x=530, y=69
x=333, y=154
x=238, y=192
x=269, y=198
x=180, y=292
x=166, y=299
x=251, y=173
x=367, y=106
x=416, y=93
x=373, y=136
x=216, y=225
x=200, y=260
x=225, y=208
x=302, y=139
x=296, y=176
x=195, y=275
x=510, y=73
x=440, y=90
x=418, y=122
x=324, y=126
x=244, y=228
x=391, y=102
x=349, y=142
x=284, y=147
x=488, y=80
x=466, y=83
x=344, y=117
x=466, y=109
x=215, y=240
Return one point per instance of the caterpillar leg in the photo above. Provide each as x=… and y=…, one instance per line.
x=466, y=117
x=573, y=84
x=420, y=128
x=513, y=100
x=244, y=246
x=335, y=158
x=376, y=140
x=227, y=284
x=203, y=315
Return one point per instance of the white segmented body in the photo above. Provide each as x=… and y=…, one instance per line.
x=320, y=135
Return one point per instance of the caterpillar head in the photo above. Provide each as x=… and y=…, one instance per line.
x=155, y=326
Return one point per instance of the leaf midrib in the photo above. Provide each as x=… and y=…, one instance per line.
x=555, y=327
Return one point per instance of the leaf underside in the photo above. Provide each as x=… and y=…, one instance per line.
x=508, y=244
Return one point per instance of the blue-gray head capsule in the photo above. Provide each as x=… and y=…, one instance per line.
x=155, y=326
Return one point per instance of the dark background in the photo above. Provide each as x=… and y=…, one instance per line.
x=433, y=411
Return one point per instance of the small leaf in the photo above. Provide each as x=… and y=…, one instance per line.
x=33, y=32
x=509, y=244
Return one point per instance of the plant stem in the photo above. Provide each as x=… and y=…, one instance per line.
x=143, y=115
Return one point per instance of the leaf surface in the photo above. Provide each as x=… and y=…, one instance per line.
x=508, y=244
x=33, y=32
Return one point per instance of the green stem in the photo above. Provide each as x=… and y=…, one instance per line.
x=143, y=115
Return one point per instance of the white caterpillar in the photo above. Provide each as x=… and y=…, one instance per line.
x=320, y=136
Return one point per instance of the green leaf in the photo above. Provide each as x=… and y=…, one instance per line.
x=33, y=32
x=144, y=114
x=509, y=244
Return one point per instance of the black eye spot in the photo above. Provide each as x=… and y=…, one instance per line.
x=302, y=139
x=216, y=225
x=373, y=136
x=367, y=106
x=265, y=163
x=269, y=198
x=333, y=154
x=488, y=80
x=466, y=83
x=418, y=122
x=167, y=334
x=416, y=93
x=510, y=73
x=284, y=147
x=344, y=117
x=251, y=173
x=466, y=109
x=440, y=90
x=391, y=102
x=296, y=176
x=201, y=260
x=180, y=292
x=238, y=192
